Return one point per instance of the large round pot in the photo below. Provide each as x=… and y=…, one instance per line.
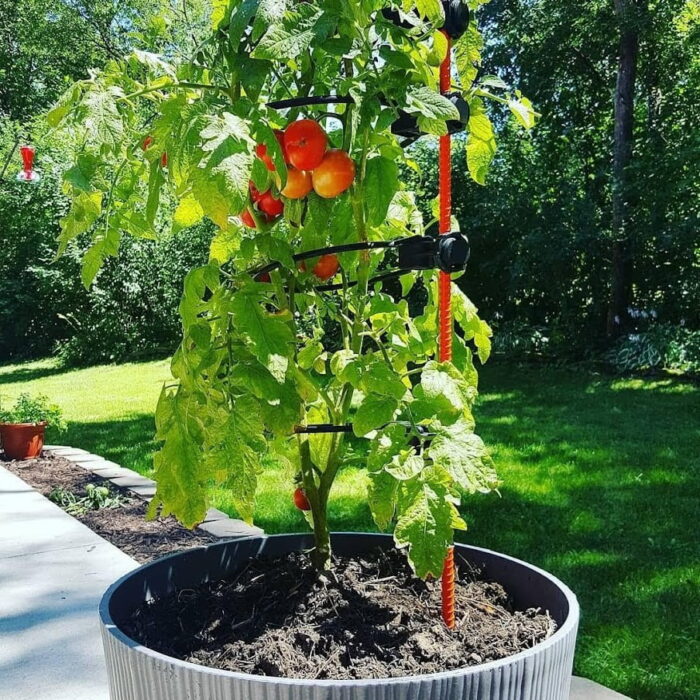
x=138, y=673
x=22, y=440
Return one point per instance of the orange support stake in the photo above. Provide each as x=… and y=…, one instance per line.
x=448, y=589
x=445, y=311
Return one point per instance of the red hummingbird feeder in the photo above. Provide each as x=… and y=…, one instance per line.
x=28, y=174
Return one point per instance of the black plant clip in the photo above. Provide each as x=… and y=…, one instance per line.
x=406, y=126
x=448, y=252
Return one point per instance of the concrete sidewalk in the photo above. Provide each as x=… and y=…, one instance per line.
x=53, y=571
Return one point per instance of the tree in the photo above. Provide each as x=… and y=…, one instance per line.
x=628, y=13
x=182, y=140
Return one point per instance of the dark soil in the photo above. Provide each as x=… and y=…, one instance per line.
x=125, y=527
x=366, y=618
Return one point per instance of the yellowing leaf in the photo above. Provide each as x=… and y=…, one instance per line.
x=188, y=212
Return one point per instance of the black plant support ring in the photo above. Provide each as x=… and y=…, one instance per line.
x=448, y=252
x=406, y=124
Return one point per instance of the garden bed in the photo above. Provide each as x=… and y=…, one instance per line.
x=369, y=617
x=125, y=526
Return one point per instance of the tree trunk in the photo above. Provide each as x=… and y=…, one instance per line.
x=620, y=292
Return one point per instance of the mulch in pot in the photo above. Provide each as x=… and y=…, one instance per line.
x=126, y=526
x=368, y=617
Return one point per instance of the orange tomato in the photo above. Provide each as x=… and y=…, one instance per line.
x=334, y=175
x=298, y=183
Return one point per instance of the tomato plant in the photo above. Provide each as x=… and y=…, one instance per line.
x=254, y=372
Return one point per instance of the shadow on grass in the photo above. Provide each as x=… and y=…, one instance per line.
x=27, y=374
x=129, y=441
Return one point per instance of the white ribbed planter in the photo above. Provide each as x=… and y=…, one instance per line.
x=138, y=673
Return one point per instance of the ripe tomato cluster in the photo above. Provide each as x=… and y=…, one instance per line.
x=311, y=165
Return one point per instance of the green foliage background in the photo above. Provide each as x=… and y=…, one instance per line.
x=541, y=228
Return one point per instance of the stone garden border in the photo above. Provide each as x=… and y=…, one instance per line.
x=216, y=522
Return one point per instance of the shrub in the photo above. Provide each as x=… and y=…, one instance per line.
x=131, y=310
x=661, y=347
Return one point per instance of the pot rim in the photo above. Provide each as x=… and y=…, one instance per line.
x=566, y=628
x=39, y=424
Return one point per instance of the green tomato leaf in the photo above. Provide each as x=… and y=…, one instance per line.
x=86, y=208
x=374, y=412
x=467, y=53
x=292, y=36
x=523, y=111
x=462, y=453
x=104, y=245
x=481, y=142
x=379, y=378
x=425, y=525
x=381, y=182
x=178, y=473
x=234, y=446
x=381, y=494
x=431, y=104
x=465, y=313
x=270, y=338
x=308, y=355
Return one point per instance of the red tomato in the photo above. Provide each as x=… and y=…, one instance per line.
x=305, y=143
x=326, y=267
x=164, y=160
x=334, y=175
x=255, y=193
x=247, y=219
x=270, y=205
x=298, y=184
x=263, y=277
x=300, y=500
x=147, y=143
x=261, y=151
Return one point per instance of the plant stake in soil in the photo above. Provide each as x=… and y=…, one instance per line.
x=445, y=308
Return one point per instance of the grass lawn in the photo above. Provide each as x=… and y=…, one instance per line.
x=601, y=487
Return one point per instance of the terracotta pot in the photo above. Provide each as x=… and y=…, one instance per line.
x=22, y=440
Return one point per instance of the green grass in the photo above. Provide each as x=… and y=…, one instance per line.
x=600, y=487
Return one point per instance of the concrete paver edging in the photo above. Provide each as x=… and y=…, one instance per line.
x=215, y=523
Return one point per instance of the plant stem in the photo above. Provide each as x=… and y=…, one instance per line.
x=318, y=500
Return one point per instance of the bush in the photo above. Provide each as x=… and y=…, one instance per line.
x=516, y=339
x=661, y=347
x=131, y=310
